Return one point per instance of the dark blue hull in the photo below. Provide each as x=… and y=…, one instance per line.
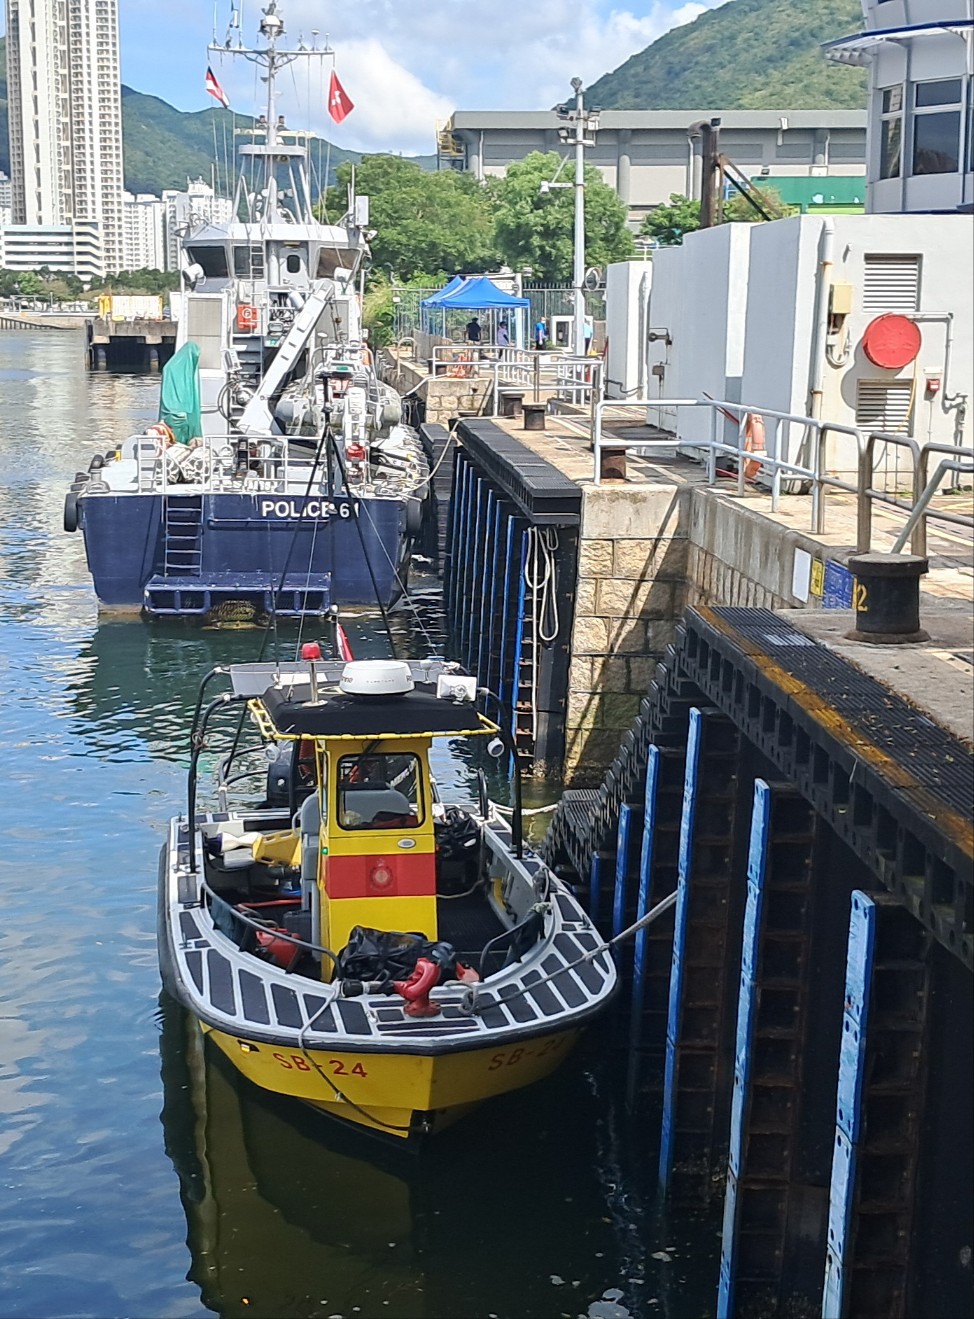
x=218, y=546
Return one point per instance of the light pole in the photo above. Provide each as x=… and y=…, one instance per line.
x=582, y=122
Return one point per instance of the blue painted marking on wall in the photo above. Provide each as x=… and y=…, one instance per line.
x=505, y=682
x=595, y=887
x=848, y=1117
x=643, y=895
x=518, y=629
x=837, y=593
x=694, y=739
x=623, y=845
x=757, y=867
x=488, y=583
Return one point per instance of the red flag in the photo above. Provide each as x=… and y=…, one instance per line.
x=339, y=103
x=214, y=88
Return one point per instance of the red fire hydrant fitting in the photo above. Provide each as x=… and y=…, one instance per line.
x=416, y=990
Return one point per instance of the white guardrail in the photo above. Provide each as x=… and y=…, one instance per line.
x=795, y=451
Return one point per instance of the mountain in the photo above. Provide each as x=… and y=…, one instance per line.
x=746, y=55
x=164, y=146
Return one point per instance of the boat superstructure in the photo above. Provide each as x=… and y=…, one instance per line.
x=281, y=472
x=352, y=940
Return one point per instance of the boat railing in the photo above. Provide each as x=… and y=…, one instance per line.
x=793, y=457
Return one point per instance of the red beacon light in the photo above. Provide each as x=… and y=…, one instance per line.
x=311, y=651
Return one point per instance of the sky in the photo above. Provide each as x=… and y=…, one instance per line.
x=404, y=63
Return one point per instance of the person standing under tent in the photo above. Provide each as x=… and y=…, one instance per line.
x=503, y=337
x=473, y=331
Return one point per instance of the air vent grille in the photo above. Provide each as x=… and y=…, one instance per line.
x=891, y=283
x=884, y=405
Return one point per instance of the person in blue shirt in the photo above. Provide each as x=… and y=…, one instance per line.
x=540, y=332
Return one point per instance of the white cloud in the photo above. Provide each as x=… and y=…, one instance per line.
x=408, y=63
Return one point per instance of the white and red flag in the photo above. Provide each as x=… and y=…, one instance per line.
x=339, y=102
x=215, y=90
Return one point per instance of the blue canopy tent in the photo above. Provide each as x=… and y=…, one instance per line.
x=478, y=293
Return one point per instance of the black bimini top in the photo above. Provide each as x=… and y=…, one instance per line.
x=339, y=715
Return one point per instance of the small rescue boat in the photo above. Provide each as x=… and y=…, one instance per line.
x=353, y=941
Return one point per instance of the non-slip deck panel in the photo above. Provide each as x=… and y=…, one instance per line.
x=935, y=758
x=239, y=994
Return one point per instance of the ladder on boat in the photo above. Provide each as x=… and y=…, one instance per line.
x=183, y=549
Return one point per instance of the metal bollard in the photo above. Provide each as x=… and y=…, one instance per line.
x=534, y=416
x=887, y=598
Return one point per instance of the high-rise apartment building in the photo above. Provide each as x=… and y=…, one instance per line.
x=66, y=117
x=144, y=246
x=185, y=211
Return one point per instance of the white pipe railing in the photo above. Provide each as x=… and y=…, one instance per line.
x=808, y=464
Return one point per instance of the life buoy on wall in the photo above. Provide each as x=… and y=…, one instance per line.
x=247, y=317
x=753, y=442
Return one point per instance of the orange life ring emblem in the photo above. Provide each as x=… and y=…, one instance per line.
x=247, y=317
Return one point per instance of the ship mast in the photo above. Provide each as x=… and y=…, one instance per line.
x=272, y=58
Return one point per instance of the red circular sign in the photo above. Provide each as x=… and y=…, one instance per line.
x=891, y=341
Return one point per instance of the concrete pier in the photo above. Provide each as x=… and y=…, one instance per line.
x=137, y=344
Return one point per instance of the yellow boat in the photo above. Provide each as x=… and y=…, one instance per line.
x=353, y=941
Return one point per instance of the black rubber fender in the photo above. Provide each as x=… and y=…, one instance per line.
x=414, y=517
x=71, y=511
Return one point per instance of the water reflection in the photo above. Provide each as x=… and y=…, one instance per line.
x=507, y=1214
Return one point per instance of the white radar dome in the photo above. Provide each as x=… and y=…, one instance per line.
x=376, y=678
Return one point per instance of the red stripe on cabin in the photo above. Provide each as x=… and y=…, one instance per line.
x=413, y=875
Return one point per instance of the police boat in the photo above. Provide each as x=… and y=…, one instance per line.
x=351, y=939
x=277, y=444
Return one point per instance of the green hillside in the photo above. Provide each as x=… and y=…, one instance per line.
x=746, y=55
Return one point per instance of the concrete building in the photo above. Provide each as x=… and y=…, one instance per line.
x=66, y=117
x=199, y=204
x=648, y=154
x=921, y=103
x=144, y=246
x=6, y=200
x=72, y=248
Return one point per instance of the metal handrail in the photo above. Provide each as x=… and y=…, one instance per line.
x=778, y=465
x=867, y=495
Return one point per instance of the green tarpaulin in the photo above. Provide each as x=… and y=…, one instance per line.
x=179, y=398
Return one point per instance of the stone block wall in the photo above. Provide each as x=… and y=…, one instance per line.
x=632, y=586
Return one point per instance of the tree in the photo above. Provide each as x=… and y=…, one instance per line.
x=668, y=224
x=536, y=229
x=427, y=223
x=738, y=208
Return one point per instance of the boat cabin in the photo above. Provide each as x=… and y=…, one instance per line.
x=351, y=762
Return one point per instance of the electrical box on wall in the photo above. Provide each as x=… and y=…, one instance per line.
x=840, y=300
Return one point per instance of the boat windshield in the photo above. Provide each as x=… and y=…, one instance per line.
x=381, y=791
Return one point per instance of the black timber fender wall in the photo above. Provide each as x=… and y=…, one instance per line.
x=802, y=1018
x=510, y=573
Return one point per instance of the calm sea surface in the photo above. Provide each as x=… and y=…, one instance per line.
x=140, y=1177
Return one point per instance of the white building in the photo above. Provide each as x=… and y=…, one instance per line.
x=183, y=211
x=866, y=321
x=144, y=246
x=920, y=154
x=75, y=249
x=66, y=118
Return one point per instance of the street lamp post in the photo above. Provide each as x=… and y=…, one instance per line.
x=582, y=122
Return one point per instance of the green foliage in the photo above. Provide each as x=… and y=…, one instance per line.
x=379, y=307
x=746, y=55
x=738, y=208
x=536, y=229
x=137, y=281
x=433, y=224
x=668, y=224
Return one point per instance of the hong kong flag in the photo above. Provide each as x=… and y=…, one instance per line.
x=215, y=90
x=339, y=103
